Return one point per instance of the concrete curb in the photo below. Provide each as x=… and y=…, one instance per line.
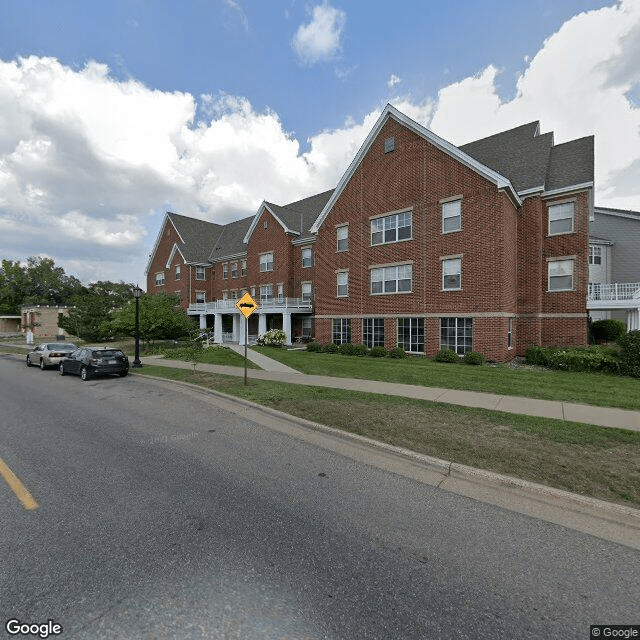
x=606, y=520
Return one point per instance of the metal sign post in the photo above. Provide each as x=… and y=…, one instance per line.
x=246, y=306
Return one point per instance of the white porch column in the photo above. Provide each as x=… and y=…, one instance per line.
x=242, y=323
x=286, y=326
x=217, y=329
x=236, y=327
x=262, y=323
x=203, y=320
x=633, y=319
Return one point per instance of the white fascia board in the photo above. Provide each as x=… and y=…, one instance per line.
x=391, y=112
x=618, y=214
x=254, y=223
x=157, y=242
x=231, y=256
x=531, y=192
x=303, y=241
x=569, y=189
x=173, y=253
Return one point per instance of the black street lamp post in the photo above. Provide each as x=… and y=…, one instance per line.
x=137, y=292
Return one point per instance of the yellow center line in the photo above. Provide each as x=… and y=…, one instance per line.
x=19, y=489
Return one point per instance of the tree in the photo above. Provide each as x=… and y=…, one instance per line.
x=161, y=318
x=14, y=283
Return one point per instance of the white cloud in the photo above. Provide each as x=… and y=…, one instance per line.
x=393, y=81
x=237, y=12
x=319, y=40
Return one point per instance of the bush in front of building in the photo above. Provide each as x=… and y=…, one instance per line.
x=314, y=347
x=473, y=357
x=332, y=347
x=360, y=350
x=594, y=358
x=607, y=330
x=397, y=352
x=378, y=352
x=347, y=349
x=629, y=344
x=272, y=338
x=447, y=355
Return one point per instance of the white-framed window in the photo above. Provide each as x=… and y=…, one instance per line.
x=510, y=334
x=200, y=297
x=176, y=272
x=253, y=292
x=560, y=218
x=451, y=216
x=411, y=334
x=266, y=262
x=561, y=275
x=595, y=254
x=243, y=267
x=389, y=144
x=225, y=295
x=159, y=279
x=451, y=274
x=266, y=292
x=342, y=238
x=392, y=228
x=342, y=284
x=394, y=279
x=341, y=331
x=456, y=334
x=225, y=270
x=307, y=257
x=306, y=327
x=199, y=273
x=280, y=291
x=306, y=291
x=373, y=332
x=234, y=269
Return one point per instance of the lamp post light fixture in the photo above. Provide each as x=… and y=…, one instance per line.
x=137, y=292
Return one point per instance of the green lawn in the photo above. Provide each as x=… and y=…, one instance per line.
x=594, y=461
x=532, y=382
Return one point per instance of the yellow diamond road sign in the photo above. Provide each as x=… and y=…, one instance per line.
x=246, y=305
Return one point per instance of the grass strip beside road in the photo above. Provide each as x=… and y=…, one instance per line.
x=598, y=389
x=603, y=463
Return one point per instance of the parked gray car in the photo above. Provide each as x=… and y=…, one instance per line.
x=49, y=354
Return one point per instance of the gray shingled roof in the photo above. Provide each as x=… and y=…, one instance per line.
x=300, y=215
x=198, y=236
x=530, y=159
x=230, y=240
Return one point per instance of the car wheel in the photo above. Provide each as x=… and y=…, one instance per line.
x=42, y=365
x=61, y=369
x=29, y=363
x=122, y=374
x=84, y=374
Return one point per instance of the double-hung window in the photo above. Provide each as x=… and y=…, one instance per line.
x=561, y=218
x=266, y=292
x=200, y=297
x=159, y=279
x=561, y=275
x=243, y=267
x=266, y=262
x=451, y=274
x=451, y=216
x=595, y=254
x=307, y=257
x=456, y=334
x=234, y=269
x=199, y=273
x=373, y=332
x=392, y=228
x=306, y=291
x=225, y=270
x=392, y=279
x=177, y=272
x=342, y=238
x=341, y=333
x=342, y=284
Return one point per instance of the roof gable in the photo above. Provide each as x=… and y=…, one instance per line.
x=391, y=112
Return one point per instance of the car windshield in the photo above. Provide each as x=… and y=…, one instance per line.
x=107, y=353
x=61, y=346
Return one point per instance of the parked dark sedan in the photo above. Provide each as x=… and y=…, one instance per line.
x=87, y=362
x=49, y=354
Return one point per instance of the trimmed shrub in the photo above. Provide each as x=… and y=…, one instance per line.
x=447, y=355
x=347, y=349
x=360, y=350
x=378, y=352
x=272, y=338
x=607, y=330
x=473, y=357
x=332, y=347
x=315, y=347
x=629, y=344
x=537, y=356
x=397, y=352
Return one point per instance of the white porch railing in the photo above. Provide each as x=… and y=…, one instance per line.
x=273, y=305
x=613, y=295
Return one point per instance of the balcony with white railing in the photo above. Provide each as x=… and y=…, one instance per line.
x=268, y=305
x=613, y=295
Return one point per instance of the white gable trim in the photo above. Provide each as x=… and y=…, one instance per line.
x=254, y=223
x=391, y=112
x=173, y=253
x=157, y=242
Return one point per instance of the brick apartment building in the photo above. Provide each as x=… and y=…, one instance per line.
x=422, y=245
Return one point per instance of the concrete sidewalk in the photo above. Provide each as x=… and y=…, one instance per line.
x=275, y=371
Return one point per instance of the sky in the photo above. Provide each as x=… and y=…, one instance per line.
x=113, y=113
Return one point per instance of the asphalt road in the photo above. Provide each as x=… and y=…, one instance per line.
x=162, y=515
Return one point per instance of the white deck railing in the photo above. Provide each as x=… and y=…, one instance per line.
x=268, y=304
x=613, y=295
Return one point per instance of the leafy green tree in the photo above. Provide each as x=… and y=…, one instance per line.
x=14, y=283
x=93, y=307
x=161, y=318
